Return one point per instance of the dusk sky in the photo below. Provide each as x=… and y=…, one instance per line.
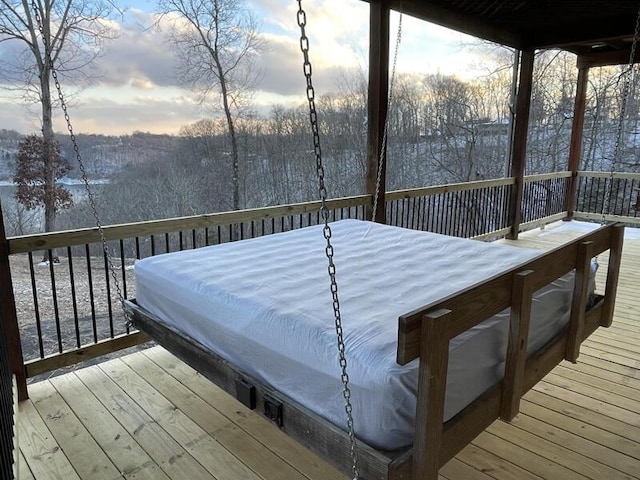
x=138, y=89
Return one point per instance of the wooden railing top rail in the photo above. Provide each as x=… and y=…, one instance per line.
x=479, y=302
x=608, y=218
x=546, y=176
x=451, y=187
x=464, y=186
x=44, y=241
x=616, y=175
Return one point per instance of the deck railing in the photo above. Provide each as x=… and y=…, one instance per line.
x=68, y=305
x=624, y=197
x=465, y=210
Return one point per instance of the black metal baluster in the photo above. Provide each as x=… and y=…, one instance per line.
x=54, y=298
x=108, y=286
x=91, y=295
x=74, y=301
x=36, y=307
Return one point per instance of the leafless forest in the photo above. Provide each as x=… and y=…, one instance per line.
x=441, y=129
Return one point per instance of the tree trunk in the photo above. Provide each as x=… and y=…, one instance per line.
x=234, y=144
x=48, y=140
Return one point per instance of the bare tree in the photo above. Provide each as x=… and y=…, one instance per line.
x=217, y=42
x=67, y=33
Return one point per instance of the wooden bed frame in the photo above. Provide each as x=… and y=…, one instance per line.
x=425, y=333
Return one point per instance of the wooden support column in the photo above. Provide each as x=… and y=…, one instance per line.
x=519, y=150
x=8, y=314
x=377, y=109
x=575, y=147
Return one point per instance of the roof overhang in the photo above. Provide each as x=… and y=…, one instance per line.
x=587, y=27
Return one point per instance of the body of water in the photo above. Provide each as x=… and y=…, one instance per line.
x=33, y=220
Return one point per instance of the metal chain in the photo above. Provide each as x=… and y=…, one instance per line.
x=629, y=75
x=324, y=212
x=85, y=179
x=386, y=120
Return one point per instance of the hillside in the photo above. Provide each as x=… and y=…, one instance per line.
x=102, y=155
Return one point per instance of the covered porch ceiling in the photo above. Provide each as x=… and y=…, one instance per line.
x=585, y=27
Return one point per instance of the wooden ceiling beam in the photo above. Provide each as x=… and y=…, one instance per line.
x=465, y=23
x=601, y=59
x=575, y=38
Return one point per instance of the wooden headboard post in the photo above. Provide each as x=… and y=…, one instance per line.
x=579, y=300
x=516, y=359
x=613, y=272
x=432, y=385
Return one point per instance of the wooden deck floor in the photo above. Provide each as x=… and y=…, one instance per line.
x=149, y=416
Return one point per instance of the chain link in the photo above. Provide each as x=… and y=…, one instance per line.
x=329, y=252
x=76, y=149
x=629, y=75
x=383, y=147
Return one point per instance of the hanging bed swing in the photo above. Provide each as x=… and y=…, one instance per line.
x=442, y=335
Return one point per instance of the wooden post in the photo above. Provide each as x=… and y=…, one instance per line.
x=377, y=109
x=512, y=385
x=575, y=147
x=579, y=300
x=432, y=384
x=519, y=151
x=613, y=272
x=8, y=314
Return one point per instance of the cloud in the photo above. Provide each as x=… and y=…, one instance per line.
x=139, y=88
x=140, y=56
x=153, y=114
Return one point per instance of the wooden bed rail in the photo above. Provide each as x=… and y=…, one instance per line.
x=426, y=333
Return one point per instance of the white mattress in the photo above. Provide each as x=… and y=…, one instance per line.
x=264, y=304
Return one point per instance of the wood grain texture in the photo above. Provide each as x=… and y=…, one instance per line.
x=483, y=300
x=516, y=357
x=30, y=243
x=43, y=454
x=84, y=453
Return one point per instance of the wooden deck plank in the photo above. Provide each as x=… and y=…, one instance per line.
x=24, y=472
x=123, y=450
x=456, y=470
x=576, y=410
x=174, y=460
x=579, y=428
x=235, y=440
x=44, y=456
x=84, y=453
x=603, y=368
x=262, y=430
x=604, y=407
x=602, y=384
x=527, y=460
x=186, y=432
x=493, y=465
x=576, y=453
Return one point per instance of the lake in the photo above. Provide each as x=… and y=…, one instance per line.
x=36, y=217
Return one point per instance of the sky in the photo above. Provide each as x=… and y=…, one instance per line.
x=138, y=84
